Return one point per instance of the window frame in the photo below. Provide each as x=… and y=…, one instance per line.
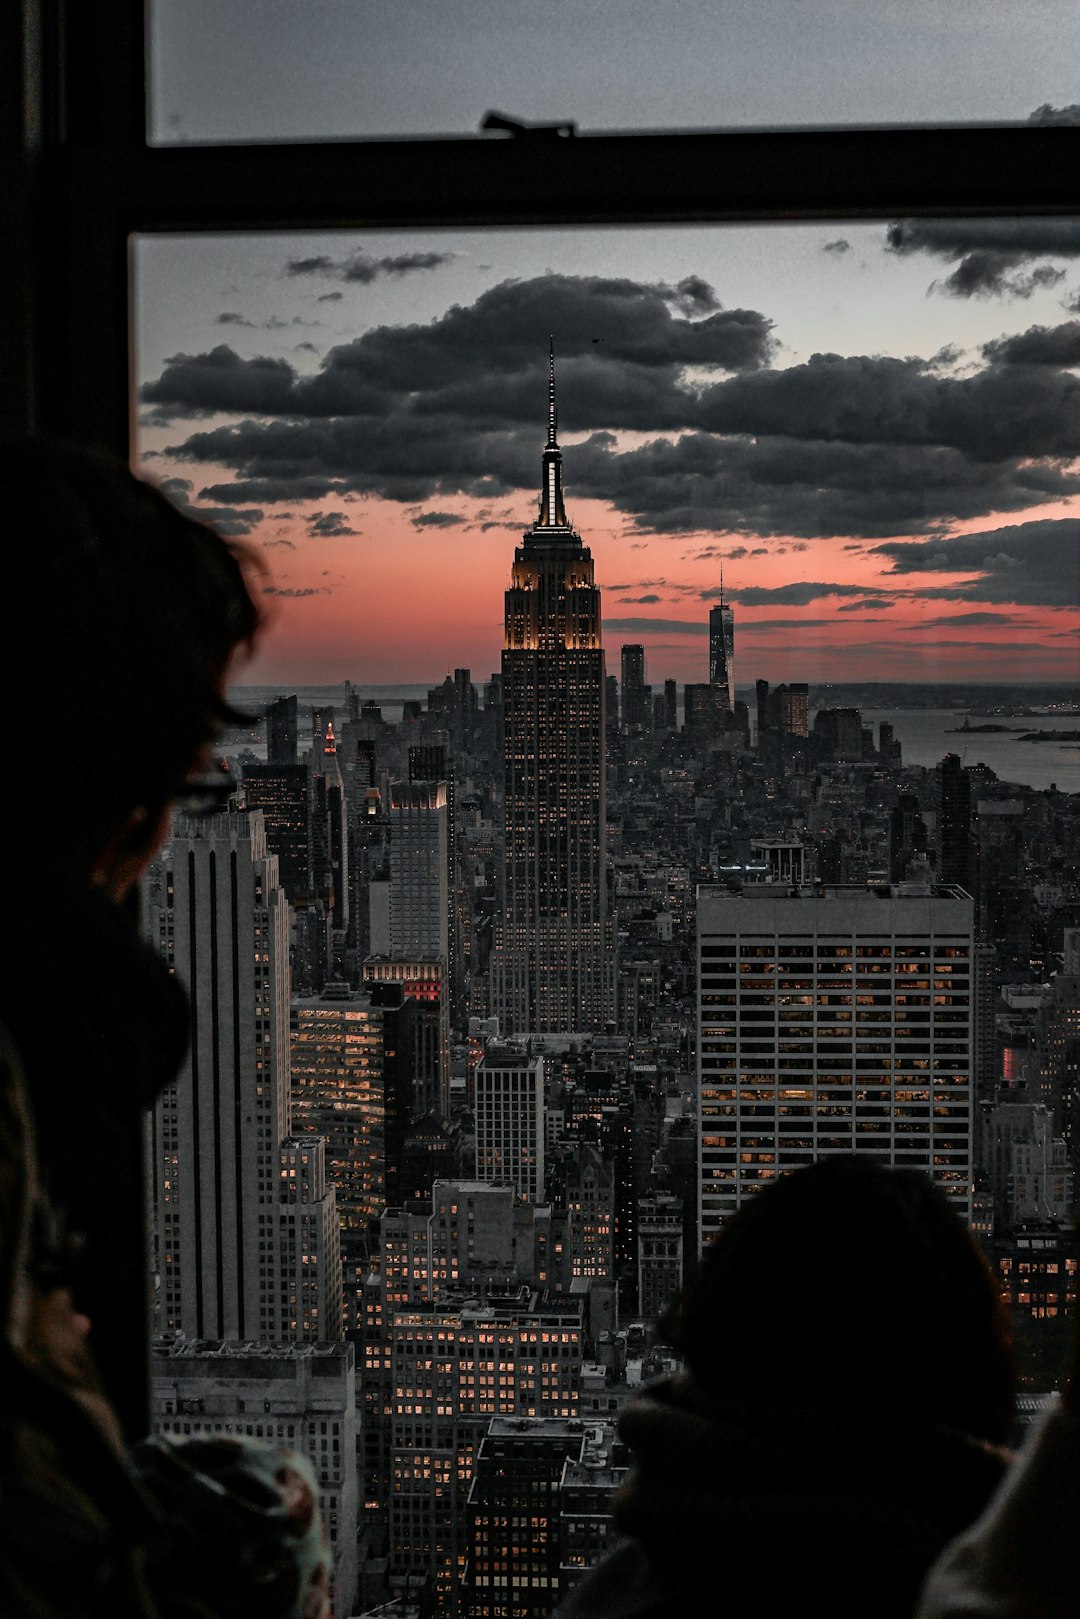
x=80, y=181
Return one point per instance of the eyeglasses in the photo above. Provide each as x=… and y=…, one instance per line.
x=208, y=792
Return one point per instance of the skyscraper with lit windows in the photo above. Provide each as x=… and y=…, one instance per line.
x=833, y=1020
x=553, y=964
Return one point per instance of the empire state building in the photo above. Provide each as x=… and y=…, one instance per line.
x=553, y=965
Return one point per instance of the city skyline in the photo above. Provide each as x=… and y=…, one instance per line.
x=874, y=443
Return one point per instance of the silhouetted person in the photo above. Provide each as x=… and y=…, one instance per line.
x=119, y=618
x=847, y=1385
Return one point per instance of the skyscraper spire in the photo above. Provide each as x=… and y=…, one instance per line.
x=721, y=584
x=552, y=511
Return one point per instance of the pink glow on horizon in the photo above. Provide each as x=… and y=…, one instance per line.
x=394, y=603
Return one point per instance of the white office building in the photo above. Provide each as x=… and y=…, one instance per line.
x=510, y=1121
x=833, y=1020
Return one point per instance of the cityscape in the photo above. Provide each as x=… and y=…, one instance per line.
x=505, y=996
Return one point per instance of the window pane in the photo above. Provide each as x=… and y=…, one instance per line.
x=271, y=70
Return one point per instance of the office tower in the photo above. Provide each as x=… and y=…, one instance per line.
x=298, y=1395
x=671, y=712
x=454, y=1366
x=343, y=1093
x=840, y=732
x=761, y=696
x=660, y=1254
x=704, y=714
x=611, y=714
x=633, y=690
x=722, y=652
x=514, y=1550
x=247, y=1237
x=281, y=731
x=956, y=846
x=418, y=876
x=552, y=967
x=908, y=836
x=330, y=828
x=424, y=1049
x=510, y=1121
x=833, y=1020
x=792, y=709
x=587, y=1495
x=281, y=792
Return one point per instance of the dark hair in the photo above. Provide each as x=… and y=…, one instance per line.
x=118, y=618
x=849, y=1283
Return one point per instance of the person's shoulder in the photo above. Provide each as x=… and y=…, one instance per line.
x=622, y=1585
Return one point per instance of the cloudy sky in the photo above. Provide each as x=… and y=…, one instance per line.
x=874, y=429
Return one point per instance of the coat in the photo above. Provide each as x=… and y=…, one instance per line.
x=737, y=1509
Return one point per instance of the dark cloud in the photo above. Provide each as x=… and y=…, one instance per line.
x=440, y=520
x=796, y=594
x=328, y=525
x=282, y=544
x=229, y=317
x=838, y=248
x=296, y=591
x=870, y=604
x=692, y=296
x=363, y=268
x=1031, y=564
x=647, y=600
x=330, y=297
x=989, y=253
x=967, y=620
x=857, y=445
x=1039, y=345
x=205, y=384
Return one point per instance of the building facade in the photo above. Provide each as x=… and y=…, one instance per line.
x=722, y=652
x=552, y=968
x=246, y=1241
x=833, y=1020
x=510, y=1121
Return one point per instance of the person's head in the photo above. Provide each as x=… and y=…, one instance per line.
x=240, y=1535
x=848, y=1284
x=119, y=616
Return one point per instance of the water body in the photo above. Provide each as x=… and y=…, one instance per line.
x=928, y=734
x=925, y=734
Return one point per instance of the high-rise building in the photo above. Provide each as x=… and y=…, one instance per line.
x=514, y=1544
x=956, y=846
x=330, y=828
x=633, y=689
x=454, y=1366
x=833, y=1020
x=553, y=966
x=424, y=1058
x=418, y=871
x=722, y=652
x=283, y=793
x=343, y=1093
x=671, y=697
x=246, y=1226
x=510, y=1121
x=281, y=731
